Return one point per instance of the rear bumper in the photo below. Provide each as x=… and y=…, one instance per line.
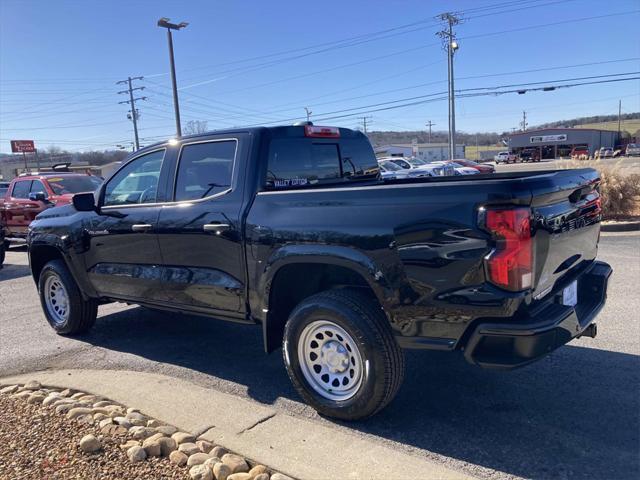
x=545, y=327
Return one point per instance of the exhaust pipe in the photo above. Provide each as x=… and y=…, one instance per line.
x=590, y=331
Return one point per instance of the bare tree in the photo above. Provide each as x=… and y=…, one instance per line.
x=195, y=126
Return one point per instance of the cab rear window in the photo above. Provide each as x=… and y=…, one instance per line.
x=300, y=162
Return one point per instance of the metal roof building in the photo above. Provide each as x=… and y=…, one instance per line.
x=558, y=142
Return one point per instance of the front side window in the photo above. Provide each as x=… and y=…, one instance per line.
x=38, y=187
x=135, y=183
x=402, y=163
x=205, y=169
x=21, y=189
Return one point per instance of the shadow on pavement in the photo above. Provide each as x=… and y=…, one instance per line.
x=10, y=271
x=575, y=414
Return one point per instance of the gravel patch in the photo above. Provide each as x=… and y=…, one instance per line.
x=46, y=433
x=35, y=442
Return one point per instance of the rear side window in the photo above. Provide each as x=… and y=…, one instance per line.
x=295, y=162
x=21, y=189
x=37, y=186
x=205, y=169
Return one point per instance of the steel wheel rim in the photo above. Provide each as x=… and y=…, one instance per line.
x=56, y=299
x=330, y=360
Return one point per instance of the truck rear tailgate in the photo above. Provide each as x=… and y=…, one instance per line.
x=566, y=212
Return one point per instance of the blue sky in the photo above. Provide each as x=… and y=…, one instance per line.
x=249, y=62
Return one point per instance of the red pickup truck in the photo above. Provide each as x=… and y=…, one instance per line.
x=28, y=195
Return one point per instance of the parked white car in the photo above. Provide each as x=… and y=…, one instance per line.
x=391, y=171
x=505, y=157
x=414, y=165
x=459, y=169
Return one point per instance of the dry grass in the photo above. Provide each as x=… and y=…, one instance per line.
x=630, y=126
x=620, y=191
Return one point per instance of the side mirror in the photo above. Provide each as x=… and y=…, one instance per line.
x=37, y=197
x=84, y=202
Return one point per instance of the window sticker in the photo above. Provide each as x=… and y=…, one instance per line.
x=290, y=182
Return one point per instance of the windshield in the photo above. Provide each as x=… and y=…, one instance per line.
x=74, y=184
x=632, y=145
x=416, y=162
x=390, y=166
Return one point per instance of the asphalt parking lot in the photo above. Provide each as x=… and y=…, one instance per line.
x=575, y=414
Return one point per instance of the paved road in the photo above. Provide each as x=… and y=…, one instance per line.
x=575, y=414
x=626, y=164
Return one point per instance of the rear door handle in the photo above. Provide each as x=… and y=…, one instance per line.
x=217, y=228
x=141, y=227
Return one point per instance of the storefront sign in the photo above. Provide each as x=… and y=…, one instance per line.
x=548, y=138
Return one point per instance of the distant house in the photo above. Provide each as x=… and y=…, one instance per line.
x=432, y=152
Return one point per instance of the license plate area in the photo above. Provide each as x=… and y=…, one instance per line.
x=570, y=294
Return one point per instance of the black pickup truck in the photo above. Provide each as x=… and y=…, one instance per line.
x=293, y=229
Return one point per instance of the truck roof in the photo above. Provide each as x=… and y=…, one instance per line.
x=293, y=131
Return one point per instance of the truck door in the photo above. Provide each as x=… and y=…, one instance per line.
x=200, y=232
x=123, y=257
x=17, y=207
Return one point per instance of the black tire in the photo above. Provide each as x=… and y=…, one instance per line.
x=363, y=319
x=2, y=253
x=81, y=313
x=7, y=244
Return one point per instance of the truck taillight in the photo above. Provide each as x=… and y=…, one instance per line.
x=510, y=264
x=322, y=132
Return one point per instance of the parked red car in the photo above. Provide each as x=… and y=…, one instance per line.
x=481, y=167
x=28, y=195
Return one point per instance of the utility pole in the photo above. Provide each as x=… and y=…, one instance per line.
x=132, y=103
x=164, y=23
x=524, y=124
x=309, y=112
x=429, y=124
x=619, y=119
x=364, y=123
x=451, y=45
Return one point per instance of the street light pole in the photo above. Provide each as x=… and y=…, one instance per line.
x=164, y=23
x=451, y=46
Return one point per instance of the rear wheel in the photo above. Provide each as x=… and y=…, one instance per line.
x=341, y=355
x=64, y=308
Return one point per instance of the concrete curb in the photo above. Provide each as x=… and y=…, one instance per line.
x=301, y=448
x=620, y=226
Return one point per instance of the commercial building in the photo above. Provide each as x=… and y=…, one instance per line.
x=431, y=152
x=558, y=142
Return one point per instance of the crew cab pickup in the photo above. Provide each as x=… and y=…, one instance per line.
x=293, y=229
x=29, y=194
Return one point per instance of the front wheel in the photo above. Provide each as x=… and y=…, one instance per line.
x=64, y=308
x=341, y=355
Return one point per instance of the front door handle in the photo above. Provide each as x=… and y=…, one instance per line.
x=217, y=228
x=141, y=227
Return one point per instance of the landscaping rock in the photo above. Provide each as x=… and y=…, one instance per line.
x=197, y=459
x=152, y=448
x=32, y=385
x=77, y=395
x=67, y=392
x=141, y=433
x=90, y=444
x=235, y=462
x=204, y=446
x=65, y=407
x=77, y=411
x=188, y=448
x=221, y=471
x=262, y=476
x=200, y=472
x=153, y=437
x=10, y=389
x=35, y=398
x=178, y=458
x=137, y=419
x=218, y=452
x=168, y=430
x=113, y=430
x=128, y=444
x=280, y=476
x=153, y=423
x=240, y=476
x=136, y=454
x=51, y=398
x=257, y=470
x=104, y=422
x=211, y=462
x=98, y=417
x=167, y=445
x=101, y=403
x=183, y=437
x=123, y=421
